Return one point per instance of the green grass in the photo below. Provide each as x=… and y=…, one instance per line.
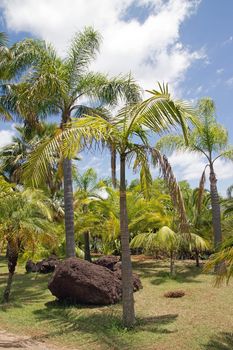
x=202, y=319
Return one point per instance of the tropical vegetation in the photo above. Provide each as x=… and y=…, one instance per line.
x=49, y=204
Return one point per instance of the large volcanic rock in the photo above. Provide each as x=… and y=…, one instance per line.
x=43, y=266
x=31, y=266
x=108, y=261
x=136, y=280
x=80, y=281
x=113, y=263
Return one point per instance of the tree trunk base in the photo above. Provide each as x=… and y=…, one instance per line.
x=6, y=294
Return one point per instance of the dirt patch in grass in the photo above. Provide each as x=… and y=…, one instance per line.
x=174, y=294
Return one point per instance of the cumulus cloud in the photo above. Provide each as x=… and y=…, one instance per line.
x=5, y=137
x=151, y=49
x=190, y=165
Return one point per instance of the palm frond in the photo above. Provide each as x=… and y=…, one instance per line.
x=201, y=190
x=223, y=258
x=174, y=189
x=83, y=50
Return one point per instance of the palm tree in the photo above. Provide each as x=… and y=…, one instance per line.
x=15, y=154
x=209, y=139
x=3, y=39
x=198, y=245
x=157, y=113
x=23, y=217
x=88, y=189
x=164, y=240
x=5, y=57
x=56, y=85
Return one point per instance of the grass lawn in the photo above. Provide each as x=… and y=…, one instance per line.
x=202, y=319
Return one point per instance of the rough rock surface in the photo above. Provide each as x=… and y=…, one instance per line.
x=43, y=266
x=108, y=261
x=114, y=264
x=30, y=266
x=80, y=281
x=136, y=280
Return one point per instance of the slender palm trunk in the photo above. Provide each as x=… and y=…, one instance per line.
x=127, y=280
x=87, y=251
x=172, y=264
x=113, y=166
x=68, y=198
x=12, y=262
x=216, y=214
x=197, y=258
x=69, y=208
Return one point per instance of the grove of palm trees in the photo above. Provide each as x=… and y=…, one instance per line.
x=129, y=258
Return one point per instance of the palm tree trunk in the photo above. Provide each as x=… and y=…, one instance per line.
x=12, y=262
x=113, y=166
x=172, y=265
x=216, y=214
x=197, y=258
x=69, y=209
x=87, y=252
x=127, y=278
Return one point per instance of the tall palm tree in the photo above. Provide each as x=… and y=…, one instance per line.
x=56, y=85
x=209, y=139
x=158, y=113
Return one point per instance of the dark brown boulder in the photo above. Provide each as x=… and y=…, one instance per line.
x=136, y=280
x=108, y=261
x=43, y=266
x=48, y=265
x=80, y=281
x=31, y=266
x=113, y=263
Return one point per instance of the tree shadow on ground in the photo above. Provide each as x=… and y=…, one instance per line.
x=223, y=341
x=99, y=324
x=26, y=288
x=159, y=272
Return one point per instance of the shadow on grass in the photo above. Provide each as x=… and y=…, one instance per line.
x=99, y=324
x=159, y=272
x=223, y=341
x=26, y=288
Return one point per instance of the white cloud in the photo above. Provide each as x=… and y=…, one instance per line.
x=99, y=163
x=229, y=82
x=152, y=50
x=5, y=137
x=190, y=165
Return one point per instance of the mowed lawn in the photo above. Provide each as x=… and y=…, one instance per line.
x=202, y=319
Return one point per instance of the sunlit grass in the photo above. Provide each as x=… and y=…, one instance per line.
x=202, y=319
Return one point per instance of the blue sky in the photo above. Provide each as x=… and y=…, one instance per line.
x=188, y=43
